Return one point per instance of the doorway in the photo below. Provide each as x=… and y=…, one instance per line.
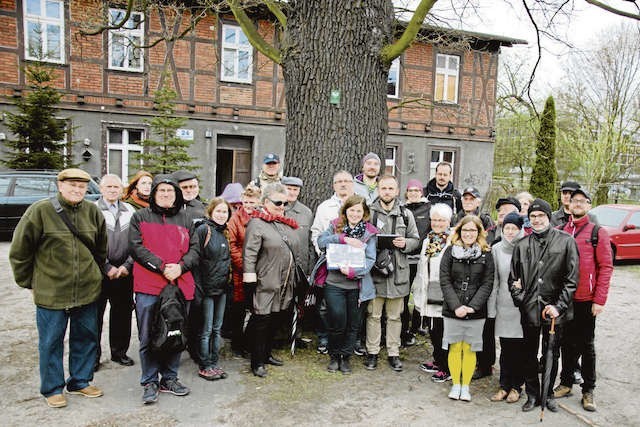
x=233, y=156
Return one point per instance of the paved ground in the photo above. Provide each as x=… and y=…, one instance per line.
x=303, y=392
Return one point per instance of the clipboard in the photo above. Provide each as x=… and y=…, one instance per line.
x=385, y=241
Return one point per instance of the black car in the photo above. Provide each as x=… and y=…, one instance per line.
x=19, y=189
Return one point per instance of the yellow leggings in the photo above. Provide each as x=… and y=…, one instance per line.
x=461, y=360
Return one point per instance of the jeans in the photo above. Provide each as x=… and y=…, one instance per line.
x=530, y=359
x=83, y=339
x=210, y=337
x=152, y=364
x=578, y=340
x=119, y=293
x=343, y=316
x=511, y=357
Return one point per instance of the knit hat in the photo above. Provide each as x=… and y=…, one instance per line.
x=370, y=156
x=540, y=205
x=414, y=183
x=513, y=218
x=508, y=201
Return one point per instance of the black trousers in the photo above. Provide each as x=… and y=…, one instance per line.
x=578, y=340
x=261, y=329
x=436, y=330
x=530, y=359
x=511, y=357
x=119, y=294
x=487, y=357
x=410, y=319
x=237, y=314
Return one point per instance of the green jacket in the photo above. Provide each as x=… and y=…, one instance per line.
x=47, y=258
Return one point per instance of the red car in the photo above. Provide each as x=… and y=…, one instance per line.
x=623, y=224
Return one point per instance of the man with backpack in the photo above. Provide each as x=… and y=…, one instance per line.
x=165, y=249
x=596, y=268
x=390, y=277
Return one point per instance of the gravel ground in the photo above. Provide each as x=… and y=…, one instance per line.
x=303, y=392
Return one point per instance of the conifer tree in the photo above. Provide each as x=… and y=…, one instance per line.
x=544, y=174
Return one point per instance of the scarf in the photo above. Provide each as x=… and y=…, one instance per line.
x=139, y=199
x=435, y=243
x=266, y=216
x=356, y=232
x=460, y=252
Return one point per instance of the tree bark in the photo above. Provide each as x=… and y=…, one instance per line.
x=334, y=45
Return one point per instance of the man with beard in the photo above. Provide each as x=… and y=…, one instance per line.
x=440, y=189
x=366, y=183
x=270, y=173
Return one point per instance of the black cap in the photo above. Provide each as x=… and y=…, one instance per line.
x=473, y=191
x=540, y=205
x=513, y=218
x=581, y=191
x=569, y=186
x=508, y=201
x=183, y=175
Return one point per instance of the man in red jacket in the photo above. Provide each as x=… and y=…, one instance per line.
x=596, y=268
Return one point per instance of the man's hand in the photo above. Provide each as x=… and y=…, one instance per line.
x=550, y=311
x=517, y=284
x=112, y=273
x=596, y=309
x=352, y=241
x=122, y=271
x=399, y=242
x=172, y=271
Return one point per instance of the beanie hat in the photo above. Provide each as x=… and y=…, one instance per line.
x=414, y=183
x=540, y=205
x=370, y=155
x=513, y=218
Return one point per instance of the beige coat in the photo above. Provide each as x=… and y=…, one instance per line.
x=268, y=263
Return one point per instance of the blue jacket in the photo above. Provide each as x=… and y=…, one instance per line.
x=367, y=288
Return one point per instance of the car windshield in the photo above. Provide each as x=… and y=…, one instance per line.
x=610, y=217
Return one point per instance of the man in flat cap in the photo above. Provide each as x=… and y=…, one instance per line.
x=504, y=206
x=62, y=267
x=188, y=182
x=303, y=216
x=271, y=171
x=561, y=216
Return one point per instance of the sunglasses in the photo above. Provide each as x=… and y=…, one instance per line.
x=279, y=203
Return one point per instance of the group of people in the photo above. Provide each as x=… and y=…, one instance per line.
x=237, y=261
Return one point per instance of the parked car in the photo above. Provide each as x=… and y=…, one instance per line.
x=623, y=224
x=20, y=188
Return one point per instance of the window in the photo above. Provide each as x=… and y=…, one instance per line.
x=438, y=156
x=35, y=186
x=391, y=153
x=124, y=51
x=237, y=55
x=393, y=80
x=44, y=30
x=122, y=147
x=634, y=220
x=447, y=72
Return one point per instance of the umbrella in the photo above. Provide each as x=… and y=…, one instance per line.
x=548, y=366
x=294, y=326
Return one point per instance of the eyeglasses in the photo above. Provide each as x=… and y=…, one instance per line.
x=469, y=230
x=279, y=202
x=580, y=202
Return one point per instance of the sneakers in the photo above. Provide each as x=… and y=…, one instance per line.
x=334, y=364
x=56, y=401
x=465, y=395
x=455, y=392
x=89, y=391
x=395, y=363
x=220, y=373
x=562, y=391
x=174, y=387
x=371, y=362
x=429, y=367
x=587, y=401
x=150, y=393
x=322, y=349
x=577, y=377
x=500, y=395
x=514, y=396
x=359, y=349
x=440, y=377
x=208, y=374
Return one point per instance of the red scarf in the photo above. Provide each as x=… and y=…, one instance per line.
x=266, y=216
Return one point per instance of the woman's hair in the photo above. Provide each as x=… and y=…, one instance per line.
x=251, y=190
x=272, y=189
x=456, y=238
x=524, y=195
x=133, y=182
x=215, y=202
x=350, y=202
x=442, y=210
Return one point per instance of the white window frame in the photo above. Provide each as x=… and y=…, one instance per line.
x=43, y=20
x=394, y=70
x=129, y=34
x=125, y=147
x=448, y=73
x=235, y=48
x=441, y=152
x=390, y=162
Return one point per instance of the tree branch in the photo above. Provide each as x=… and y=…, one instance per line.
x=392, y=51
x=115, y=26
x=277, y=12
x=252, y=33
x=614, y=10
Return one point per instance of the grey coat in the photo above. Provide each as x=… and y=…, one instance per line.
x=500, y=303
x=304, y=218
x=267, y=262
x=397, y=285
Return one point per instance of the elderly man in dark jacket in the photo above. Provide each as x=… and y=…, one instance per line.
x=543, y=279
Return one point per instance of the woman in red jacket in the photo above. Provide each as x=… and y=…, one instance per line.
x=237, y=226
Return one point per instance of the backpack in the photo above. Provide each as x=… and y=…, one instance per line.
x=169, y=327
x=384, y=258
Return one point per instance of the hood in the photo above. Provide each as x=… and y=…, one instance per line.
x=432, y=188
x=177, y=205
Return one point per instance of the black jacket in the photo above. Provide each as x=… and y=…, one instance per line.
x=420, y=211
x=449, y=196
x=466, y=282
x=213, y=273
x=487, y=222
x=549, y=277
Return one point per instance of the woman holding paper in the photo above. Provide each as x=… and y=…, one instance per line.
x=347, y=287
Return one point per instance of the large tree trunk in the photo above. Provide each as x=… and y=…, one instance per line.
x=334, y=45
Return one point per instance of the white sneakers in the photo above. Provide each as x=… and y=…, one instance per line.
x=464, y=393
x=459, y=392
x=455, y=392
